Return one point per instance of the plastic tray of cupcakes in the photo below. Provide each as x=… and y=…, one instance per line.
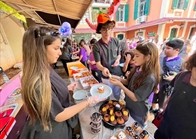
x=114, y=113
x=136, y=132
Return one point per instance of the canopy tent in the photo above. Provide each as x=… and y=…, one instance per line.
x=51, y=12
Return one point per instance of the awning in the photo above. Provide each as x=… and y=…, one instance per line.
x=140, y=26
x=51, y=12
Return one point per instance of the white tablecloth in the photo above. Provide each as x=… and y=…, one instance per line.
x=105, y=133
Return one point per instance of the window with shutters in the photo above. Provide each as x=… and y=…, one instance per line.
x=180, y=4
x=121, y=13
x=142, y=7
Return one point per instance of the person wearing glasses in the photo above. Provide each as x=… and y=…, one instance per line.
x=107, y=52
x=142, y=81
x=45, y=94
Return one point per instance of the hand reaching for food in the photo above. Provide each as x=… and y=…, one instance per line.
x=95, y=99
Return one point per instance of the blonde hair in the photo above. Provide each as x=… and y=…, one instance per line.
x=35, y=82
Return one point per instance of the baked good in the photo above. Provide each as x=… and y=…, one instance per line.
x=121, y=135
x=144, y=134
x=111, y=112
x=94, y=130
x=115, y=102
x=113, y=137
x=136, y=137
x=122, y=103
x=106, y=106
x=110, y=75
x=96, y=117
x=120, y=120
x=118, y=113
x=111, y=107
x=110, y=102
x=101, y=89
x=106, y=117
x=129, y=130
x=113, y=120
x=136, y=126
x=125, y=115
x=104, y=110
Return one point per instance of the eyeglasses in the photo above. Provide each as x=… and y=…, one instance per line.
x=106, y=29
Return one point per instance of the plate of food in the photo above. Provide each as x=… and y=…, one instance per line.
x=80, y=94
x=101, y=90
x=115, y=114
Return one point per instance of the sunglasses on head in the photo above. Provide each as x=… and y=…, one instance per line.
x=38, y=34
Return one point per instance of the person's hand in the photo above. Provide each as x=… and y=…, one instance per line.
x=169, y=77
x=95, y=99
x=105, y=72
x=88, y=61
x=115, y=81
x=116, y=63
x=127, y=73
x=115, y=77
x=128, y=57
x=72, y=86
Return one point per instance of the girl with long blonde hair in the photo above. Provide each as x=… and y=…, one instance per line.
x=44, y=93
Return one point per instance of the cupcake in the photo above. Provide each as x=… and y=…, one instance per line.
x=129, y=130
x=101, y=89
x=144, y=134
x=122, y=103
x=125, y=115
x=113, y=120
x=110, y=102
x=106, y=117
x=121, y=135
x=136, y=127
x=136, y=137
x=120, y=120
x=104, y=110
x=118, y=113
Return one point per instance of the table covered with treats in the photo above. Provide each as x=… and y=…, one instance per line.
x=109, y=119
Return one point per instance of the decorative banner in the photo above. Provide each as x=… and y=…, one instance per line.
x=10, y=10
x=111, y=11
x=65, y=29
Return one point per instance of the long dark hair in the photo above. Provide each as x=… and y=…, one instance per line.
x=67, y=43
x=150, y=67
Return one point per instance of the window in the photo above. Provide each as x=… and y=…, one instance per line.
x=173, y=33
x=180, y=4
x=142, y=7
x=194, y=7
x=121, y=13
x=120, y=36
x=86, y=15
